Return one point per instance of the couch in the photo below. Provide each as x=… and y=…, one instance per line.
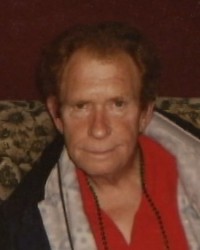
x=26, y=129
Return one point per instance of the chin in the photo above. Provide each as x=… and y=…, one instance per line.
x=99, y=168
x=99, y=164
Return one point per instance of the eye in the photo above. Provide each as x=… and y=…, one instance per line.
x=80, y=105
x=119, y=103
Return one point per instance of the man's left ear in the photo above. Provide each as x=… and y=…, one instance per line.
x=54, y=110
x=146, y=116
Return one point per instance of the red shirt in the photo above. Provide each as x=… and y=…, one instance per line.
x=161, y=182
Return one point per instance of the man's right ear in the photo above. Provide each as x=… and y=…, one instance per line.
x=54, y=110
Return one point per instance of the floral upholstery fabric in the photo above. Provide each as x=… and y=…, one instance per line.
x=26, y=129
x=186, y=108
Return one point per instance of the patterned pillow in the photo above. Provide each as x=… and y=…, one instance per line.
x=186, y=108
x=25, y=130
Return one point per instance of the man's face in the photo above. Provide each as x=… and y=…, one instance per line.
x=100, y=115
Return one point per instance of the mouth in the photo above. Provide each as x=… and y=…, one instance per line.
x=100, y=152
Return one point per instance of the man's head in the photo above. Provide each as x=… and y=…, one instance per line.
x=102, y=41
x=99, y=83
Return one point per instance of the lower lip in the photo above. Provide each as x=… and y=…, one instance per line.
x=100, y=153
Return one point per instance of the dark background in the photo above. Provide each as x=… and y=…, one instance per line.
x=27, y=25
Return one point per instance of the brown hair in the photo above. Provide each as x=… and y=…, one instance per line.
x=104, y=39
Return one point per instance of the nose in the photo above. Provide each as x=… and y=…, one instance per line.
x=99, y=126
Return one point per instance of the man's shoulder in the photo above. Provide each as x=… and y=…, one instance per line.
x=20, y=221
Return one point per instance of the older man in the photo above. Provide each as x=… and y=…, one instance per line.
x=109, y=186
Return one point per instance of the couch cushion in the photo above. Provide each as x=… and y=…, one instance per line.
x=185, y=108
x=25, y=130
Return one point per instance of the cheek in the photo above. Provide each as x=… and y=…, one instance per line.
x=128, y=133
x=74, y=131
x=128, y=125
